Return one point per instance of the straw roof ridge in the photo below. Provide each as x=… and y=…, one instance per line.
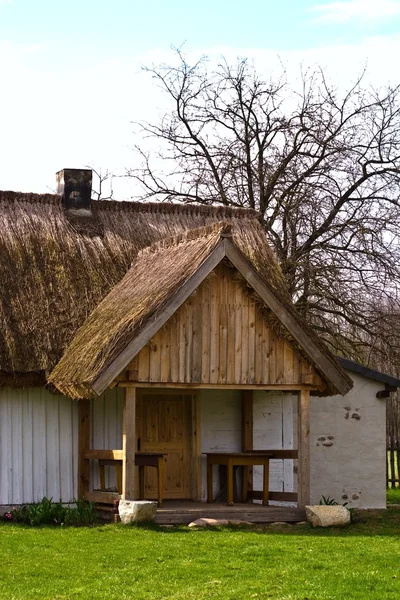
x=187, y=236
x=29, y=197
x=161, y=208
x=169, y=208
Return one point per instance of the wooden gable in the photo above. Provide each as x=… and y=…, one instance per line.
x=222, y=335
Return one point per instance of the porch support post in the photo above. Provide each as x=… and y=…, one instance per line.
x=303, y=436
x=129, y=444
x=247, y=439
x=83, y=447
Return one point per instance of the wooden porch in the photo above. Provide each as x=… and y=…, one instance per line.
x=183, y=513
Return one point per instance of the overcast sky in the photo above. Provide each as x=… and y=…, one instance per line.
x=70, y=72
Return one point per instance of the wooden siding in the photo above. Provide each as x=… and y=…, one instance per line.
x=38, y=446
x=39, y=443
x=220, y=335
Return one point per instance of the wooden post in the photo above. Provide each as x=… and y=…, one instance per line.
x=83, y=447
x=247, y=439
x=129, y=444
x=303, y=407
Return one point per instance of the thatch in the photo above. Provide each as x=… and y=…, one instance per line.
x=55, y=268
x=158, y=273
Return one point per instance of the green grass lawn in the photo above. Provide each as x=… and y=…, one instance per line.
x=393, y=495
x=113, y=561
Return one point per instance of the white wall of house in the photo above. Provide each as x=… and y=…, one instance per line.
x=38, y=446
x=348, y=446
x=221, y=431
x=39, y=441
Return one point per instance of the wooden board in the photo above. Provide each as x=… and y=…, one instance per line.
x=303, y=433
x=184, y=513
x=221, y=336
x=164, y=424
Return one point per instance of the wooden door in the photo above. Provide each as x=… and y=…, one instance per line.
x=164, y=425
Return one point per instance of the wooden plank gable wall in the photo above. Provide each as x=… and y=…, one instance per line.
x=221, y=336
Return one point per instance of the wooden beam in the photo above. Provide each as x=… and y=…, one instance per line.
x=83, y=447
x=247, y=438
x=278, y=387
x=105, y=454
x=129, y=445
x=326, y=366
x=170, y=307
x=303, y=421
x=279, y=453
x=102, y=497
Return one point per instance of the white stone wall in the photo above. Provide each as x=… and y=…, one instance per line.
x=348, y=446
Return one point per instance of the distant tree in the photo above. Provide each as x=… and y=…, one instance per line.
x=322, y=168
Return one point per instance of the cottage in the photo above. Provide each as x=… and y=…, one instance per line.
x=156, y=335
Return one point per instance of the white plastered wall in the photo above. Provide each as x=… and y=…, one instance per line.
x=221, y=431
x=347, y=446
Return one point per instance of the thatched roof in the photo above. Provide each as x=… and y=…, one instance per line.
x=56, y=268
x=160, y=271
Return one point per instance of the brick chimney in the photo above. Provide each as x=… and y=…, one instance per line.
x=75, y=187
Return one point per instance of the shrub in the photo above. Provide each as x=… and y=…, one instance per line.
x=47, y=512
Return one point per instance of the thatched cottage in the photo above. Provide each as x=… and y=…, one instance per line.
x=141, y=345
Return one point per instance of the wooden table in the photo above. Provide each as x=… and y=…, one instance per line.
x=142, y=460
x=231, y=459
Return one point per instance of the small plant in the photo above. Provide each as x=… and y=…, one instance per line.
x=328, y=501
x=47, y=512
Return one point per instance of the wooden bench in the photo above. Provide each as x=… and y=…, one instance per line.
x=114, y=459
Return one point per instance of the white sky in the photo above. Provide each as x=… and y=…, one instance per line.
x=72, y=110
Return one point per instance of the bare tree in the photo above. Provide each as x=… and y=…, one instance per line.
x=103, y=179
x=322, y=168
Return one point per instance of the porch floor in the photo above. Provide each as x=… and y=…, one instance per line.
x=175, y=512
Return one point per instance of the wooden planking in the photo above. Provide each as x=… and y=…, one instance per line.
x=174, y=354
x=303, y=424
x=183, y=513
x=165, y=353
x=220, y=335
x=144, y=364
x=129, y=445
x=205, y=331
x=167, y=423
x=214, y=326
x=102, y=497
x=29, y=418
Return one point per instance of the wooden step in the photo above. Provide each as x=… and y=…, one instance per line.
x=269, y=515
